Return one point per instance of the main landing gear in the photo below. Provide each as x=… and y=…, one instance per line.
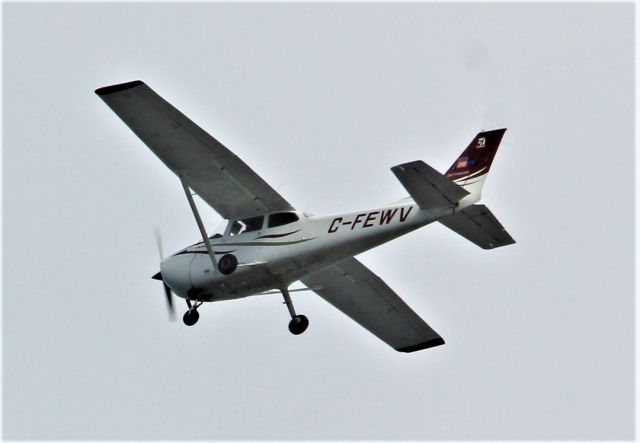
x=191, y=317
x=298, y=323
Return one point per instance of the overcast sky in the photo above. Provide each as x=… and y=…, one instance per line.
x=321, y=100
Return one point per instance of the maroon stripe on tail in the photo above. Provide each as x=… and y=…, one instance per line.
x=478, y=155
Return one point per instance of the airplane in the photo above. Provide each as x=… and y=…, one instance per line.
x=267, y=245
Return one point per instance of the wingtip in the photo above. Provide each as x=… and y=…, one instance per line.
x=106, y=90
x=424, y=345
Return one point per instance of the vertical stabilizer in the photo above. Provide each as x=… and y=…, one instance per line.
x=471, y=168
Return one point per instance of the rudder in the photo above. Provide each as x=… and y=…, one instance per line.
x=471, y=168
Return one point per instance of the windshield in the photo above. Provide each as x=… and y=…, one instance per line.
x=219, y=230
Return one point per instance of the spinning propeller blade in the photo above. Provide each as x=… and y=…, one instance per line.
x=158, y=276
x=169, y=298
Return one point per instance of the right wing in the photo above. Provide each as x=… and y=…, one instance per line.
x=216, y=174
x=360, y=294
x=477, y=224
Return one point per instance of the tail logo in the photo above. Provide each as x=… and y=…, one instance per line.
x=481, y=142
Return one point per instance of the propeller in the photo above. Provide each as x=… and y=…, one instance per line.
x=158, y=276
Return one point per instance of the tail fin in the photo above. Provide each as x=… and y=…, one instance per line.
x=471, y=168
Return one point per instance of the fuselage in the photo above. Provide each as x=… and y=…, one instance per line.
x=274, y=257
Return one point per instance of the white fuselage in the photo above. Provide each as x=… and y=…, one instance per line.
x=273, y=258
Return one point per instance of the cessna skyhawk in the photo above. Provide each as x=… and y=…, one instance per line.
x=267, y=244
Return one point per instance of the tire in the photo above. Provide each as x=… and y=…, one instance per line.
x=298, y=324
x=227, y=264
x=191, y=317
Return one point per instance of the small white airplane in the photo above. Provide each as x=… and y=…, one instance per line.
x=268, y=245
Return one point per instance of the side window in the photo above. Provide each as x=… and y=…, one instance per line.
x=237, y=227
x=282, y=218
x=246, y=225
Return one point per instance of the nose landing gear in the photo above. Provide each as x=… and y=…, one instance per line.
x=298, y=323
x=191, y=317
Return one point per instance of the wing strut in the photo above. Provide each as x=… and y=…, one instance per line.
x=200, y=225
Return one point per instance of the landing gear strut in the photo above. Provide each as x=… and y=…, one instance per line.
x=298, y=323
x=191, y=317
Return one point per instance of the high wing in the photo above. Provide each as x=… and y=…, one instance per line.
x=216, y=174
x=359, y=293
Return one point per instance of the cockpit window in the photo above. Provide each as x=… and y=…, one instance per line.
x=246, y=225
x=282, y=218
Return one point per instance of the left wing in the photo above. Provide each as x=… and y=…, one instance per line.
x=359, y=293
x=216, y=174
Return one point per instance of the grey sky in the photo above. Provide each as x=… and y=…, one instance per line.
x=321, y=100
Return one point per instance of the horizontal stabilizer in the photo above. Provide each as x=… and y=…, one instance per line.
x=428, y=187
x=477, y=224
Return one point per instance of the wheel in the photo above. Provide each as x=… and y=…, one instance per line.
x=191, y=317
x=298, y=324
x=227, y=264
